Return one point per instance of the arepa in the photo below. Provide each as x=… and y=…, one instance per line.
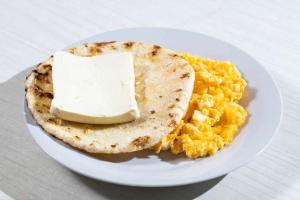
x=164, y=84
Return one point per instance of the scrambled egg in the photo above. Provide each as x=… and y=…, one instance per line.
x=213, y=117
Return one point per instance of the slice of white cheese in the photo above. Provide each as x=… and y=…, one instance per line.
x=94, y=90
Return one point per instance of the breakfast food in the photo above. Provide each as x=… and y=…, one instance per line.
x=214, y=116
x=164, y=83
x=187, y=104
x=79, y=96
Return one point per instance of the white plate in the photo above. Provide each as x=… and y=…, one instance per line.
x=147, y=169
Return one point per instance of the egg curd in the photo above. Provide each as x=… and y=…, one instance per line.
x=214, y=116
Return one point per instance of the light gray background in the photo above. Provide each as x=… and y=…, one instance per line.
x=30, y=31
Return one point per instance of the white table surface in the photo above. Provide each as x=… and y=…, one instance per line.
x=267, y=30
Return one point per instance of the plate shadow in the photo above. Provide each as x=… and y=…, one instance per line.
x=113, y=191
